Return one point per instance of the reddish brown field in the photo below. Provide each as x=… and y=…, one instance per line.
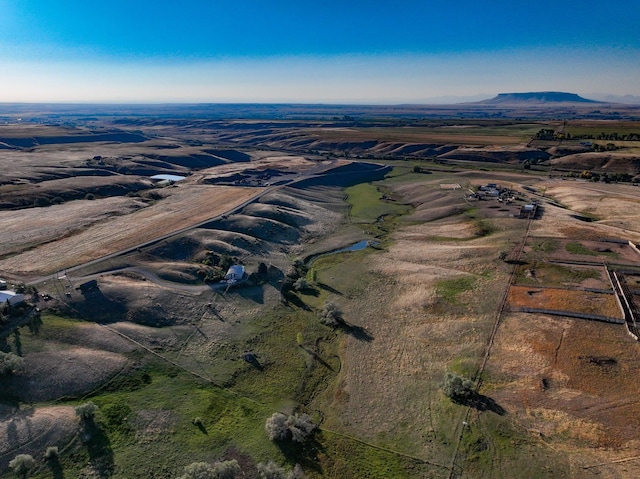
x=563, y=300
x=571, y=382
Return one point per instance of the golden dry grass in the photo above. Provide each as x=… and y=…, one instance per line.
x=182, y=208
x=417, y=135
x=616, y=207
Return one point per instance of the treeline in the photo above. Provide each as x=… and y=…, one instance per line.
x=603, y=177
x=551, y=134
x=609, y=136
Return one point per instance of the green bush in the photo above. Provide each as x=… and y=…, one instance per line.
x=10, y=363
x=86, y=411
x=22, y=464
x=52, y=453
x=296, y=428
x=457, y=388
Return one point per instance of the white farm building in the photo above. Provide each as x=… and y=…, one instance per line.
x=234, y=274
x=11, y=297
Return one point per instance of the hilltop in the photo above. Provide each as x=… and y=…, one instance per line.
x=536, y=98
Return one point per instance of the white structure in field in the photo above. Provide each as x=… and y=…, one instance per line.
x=234, y=274
x=11, y=297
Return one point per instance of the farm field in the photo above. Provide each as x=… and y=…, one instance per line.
x=185, y=369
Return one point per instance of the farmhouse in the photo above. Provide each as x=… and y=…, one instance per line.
x=234, y=274
x=11, y=297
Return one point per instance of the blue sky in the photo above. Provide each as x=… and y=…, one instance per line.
x=314, y=51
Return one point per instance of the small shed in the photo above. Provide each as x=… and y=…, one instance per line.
x=11, y=297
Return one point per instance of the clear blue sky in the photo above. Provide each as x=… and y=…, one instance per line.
x=314, y=51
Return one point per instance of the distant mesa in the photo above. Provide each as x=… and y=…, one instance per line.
x=536, y=98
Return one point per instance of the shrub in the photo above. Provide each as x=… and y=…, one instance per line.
x=227, y=469
x=52, y=453
x=22, y=464
x=203, y=470
x=10, y=363
x=296, y=428
x=86, y=411
x=271, y=470
x=276, y=427
x=198, y=470
x=331, y=314
x=301, y=284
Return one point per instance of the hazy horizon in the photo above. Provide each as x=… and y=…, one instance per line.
x=332, y=53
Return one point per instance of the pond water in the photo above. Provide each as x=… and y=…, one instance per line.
x=354, y=247
x=360, y=245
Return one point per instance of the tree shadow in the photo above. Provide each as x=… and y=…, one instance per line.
x=290, y=298
x=200, y=426
x=326, y=287
x=252, y=358
x=318, y=358
x=481, y=402
x=311, y=292
x=357, y=332
x=35, y=322
x=517, y=262
x=253, y=293
x=305, y=453
x=98, y=448
x=56, y=468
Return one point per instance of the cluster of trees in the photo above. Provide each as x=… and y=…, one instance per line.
x=282, y=427
x=545, y=134
x=294, y=279
x=604, y=177
x=607, y=147
x=22, y=464
x=550, y=134
x=610, y=136
x=218, y=266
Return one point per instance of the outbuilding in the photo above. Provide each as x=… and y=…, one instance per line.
x=235, y=273
x=11, y=297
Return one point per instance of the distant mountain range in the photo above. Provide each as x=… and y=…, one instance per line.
x=536, y=98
